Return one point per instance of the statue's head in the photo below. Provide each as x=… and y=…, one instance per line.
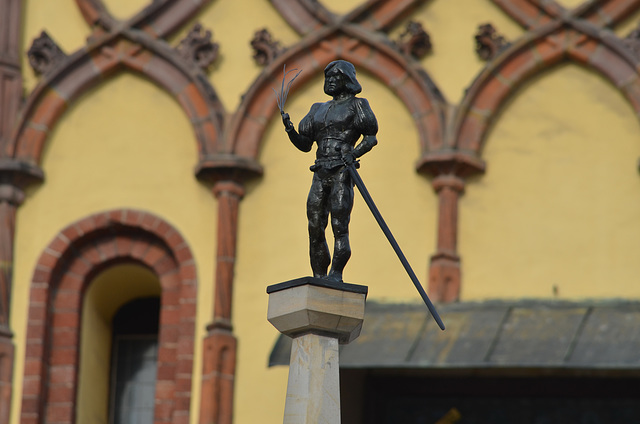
x=340, y=77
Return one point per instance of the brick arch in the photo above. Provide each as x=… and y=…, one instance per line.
x=160, y=17
x=306, y=16
x=583, y=44
x=64, y=270
x=135, y=51
x=414, y=87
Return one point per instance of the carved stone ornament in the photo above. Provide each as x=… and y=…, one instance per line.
x=265, y=48
x=489, y=43
x=632, y=42
x=198, y=48
x=414, y=41
x=44, y=54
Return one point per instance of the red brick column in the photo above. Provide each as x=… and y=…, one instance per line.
x=444, y=272
x=219, y=348
x=14, y=176
x=10, y=198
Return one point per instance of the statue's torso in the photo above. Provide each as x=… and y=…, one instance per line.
x=334, y=127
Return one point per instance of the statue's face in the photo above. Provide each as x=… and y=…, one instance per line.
x=334, y=82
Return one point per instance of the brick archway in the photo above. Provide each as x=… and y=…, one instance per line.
x=136, y=45
x=62, y=274
x=555, y=35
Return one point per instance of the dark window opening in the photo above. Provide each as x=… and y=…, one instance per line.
x=543, y=399
x=134, y=358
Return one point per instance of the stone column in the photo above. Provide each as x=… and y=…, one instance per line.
x=319, y=315
x=444, y=270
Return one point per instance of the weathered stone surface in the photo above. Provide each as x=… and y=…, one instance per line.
x=313, y=390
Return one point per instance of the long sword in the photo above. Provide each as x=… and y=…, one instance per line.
x=387, y=232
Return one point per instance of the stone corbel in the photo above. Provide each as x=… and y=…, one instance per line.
x=45, y=55
x=489, y=43
x=265, y=48
x=197, y=48
x=414, y=41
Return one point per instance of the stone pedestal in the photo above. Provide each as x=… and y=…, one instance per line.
x=319, y=315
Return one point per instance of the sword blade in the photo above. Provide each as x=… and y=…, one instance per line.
x=387, y=232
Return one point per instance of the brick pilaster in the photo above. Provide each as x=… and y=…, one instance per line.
x=10, y=198
x=219, y=355
x=449, y=170
x=444, y=271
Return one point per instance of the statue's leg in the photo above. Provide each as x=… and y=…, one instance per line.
x=318, y=215
x=341, y=204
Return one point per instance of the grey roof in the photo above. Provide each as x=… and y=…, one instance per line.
x=533, y=334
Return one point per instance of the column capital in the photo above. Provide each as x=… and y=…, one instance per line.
x=227, y=166
x=459, y=163
x=15, y=176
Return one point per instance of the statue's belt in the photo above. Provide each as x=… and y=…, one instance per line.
x=329, y=163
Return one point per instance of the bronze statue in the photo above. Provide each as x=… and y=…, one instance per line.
x=336, y=126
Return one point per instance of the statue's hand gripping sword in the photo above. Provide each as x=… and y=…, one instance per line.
x=385, y=229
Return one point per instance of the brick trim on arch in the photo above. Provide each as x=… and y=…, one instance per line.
x=554, y=34
x=64, y=270
x=135, y=45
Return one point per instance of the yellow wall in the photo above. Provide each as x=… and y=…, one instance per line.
x=123, y=9
x=558, y=205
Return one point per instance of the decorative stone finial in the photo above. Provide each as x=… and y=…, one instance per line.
x=44, y=54
x=265, y=48
x=198, y=48
x=414, y=41
x=489, y=43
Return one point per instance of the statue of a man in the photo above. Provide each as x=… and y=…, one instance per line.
x=336, y=126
